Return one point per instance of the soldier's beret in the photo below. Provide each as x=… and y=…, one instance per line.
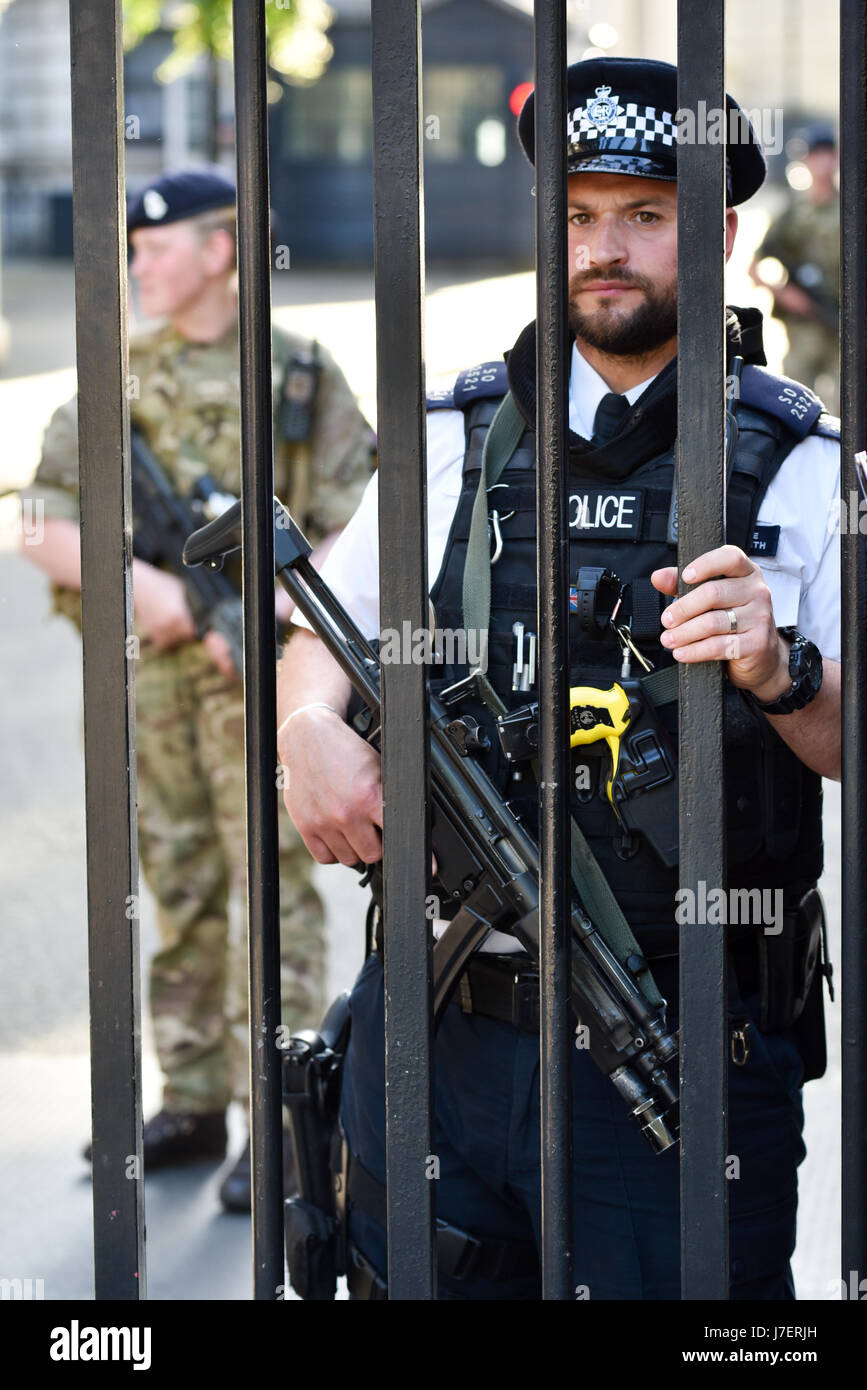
x=174, y=196
x=622, y=117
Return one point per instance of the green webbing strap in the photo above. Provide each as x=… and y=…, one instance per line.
x=604, y=911
x=501, y=441
x=660, y=686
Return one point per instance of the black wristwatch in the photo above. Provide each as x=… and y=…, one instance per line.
x=805, y=668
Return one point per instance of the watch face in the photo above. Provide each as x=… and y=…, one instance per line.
x=805, y=667
x=815, y=677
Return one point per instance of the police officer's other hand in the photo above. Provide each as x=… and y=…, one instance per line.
x=726, y=615
x=161, y=607
x=218, y=649
x=332, y=787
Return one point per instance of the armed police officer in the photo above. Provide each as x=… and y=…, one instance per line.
x=774, y=587
x=184, y=406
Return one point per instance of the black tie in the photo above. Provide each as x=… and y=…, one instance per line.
x=609, y=416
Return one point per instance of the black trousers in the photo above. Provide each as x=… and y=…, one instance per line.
x=626, y=1198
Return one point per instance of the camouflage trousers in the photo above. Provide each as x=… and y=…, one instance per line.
x=192, y=844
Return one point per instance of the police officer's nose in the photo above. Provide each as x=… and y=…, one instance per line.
x=606, y=244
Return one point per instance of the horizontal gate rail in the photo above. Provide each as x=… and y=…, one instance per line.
x=700, y=490
x=99, y=227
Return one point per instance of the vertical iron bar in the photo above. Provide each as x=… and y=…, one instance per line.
x=260, y=697
x=552, y=369
x=106, y=593
x=700, y=485
x=399, y=281
x=853, y=316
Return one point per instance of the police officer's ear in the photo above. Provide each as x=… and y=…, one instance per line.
x=731, y=229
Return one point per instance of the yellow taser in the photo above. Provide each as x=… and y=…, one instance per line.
x=597, y=714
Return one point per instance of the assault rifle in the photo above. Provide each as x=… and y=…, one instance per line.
x=162, y=521
x=487, y=862
x=808, y=277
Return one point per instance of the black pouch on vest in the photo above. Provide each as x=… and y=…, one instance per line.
x=790, y=978
x=311, y=1250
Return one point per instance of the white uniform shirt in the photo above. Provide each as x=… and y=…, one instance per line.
x=803, y=577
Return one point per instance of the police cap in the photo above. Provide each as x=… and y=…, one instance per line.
x=174, y=196
x=623, y=118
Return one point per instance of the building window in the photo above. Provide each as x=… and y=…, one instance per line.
x=464, y=113
x=463, y=99
x=330, y=121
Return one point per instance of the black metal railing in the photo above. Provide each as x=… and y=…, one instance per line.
x=260, y=693
x=399, y=263
x=552, y=376
x=99, y=211
x=398, y=223
x=700, y=482
x=853, y=361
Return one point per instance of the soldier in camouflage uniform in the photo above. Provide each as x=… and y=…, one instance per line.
x=184, y=399
x=805, y=241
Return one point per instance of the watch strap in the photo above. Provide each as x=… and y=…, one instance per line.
x=801, y=691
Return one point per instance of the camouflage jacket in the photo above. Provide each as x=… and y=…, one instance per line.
x=807, y=235
x=184, y=397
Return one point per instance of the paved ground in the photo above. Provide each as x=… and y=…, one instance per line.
x=194, y=1251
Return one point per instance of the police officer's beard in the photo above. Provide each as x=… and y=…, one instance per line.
x=609, y=329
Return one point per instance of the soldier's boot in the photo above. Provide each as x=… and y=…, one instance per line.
x=169, y=1140
x=235, y=1189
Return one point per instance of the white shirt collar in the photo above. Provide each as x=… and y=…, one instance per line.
x=586, y=389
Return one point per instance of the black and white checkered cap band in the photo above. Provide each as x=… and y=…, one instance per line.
x=642, y=123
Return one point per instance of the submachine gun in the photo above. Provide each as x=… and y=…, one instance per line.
x=163, y=521
x=487, y=862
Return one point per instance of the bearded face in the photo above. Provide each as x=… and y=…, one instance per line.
x=623, y=251
x=631, y=322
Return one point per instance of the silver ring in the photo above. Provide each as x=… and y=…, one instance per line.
x=733, y=620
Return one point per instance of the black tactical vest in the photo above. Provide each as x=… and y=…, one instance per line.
x=773, y=801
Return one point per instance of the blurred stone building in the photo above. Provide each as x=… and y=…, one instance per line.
x=478, y=56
